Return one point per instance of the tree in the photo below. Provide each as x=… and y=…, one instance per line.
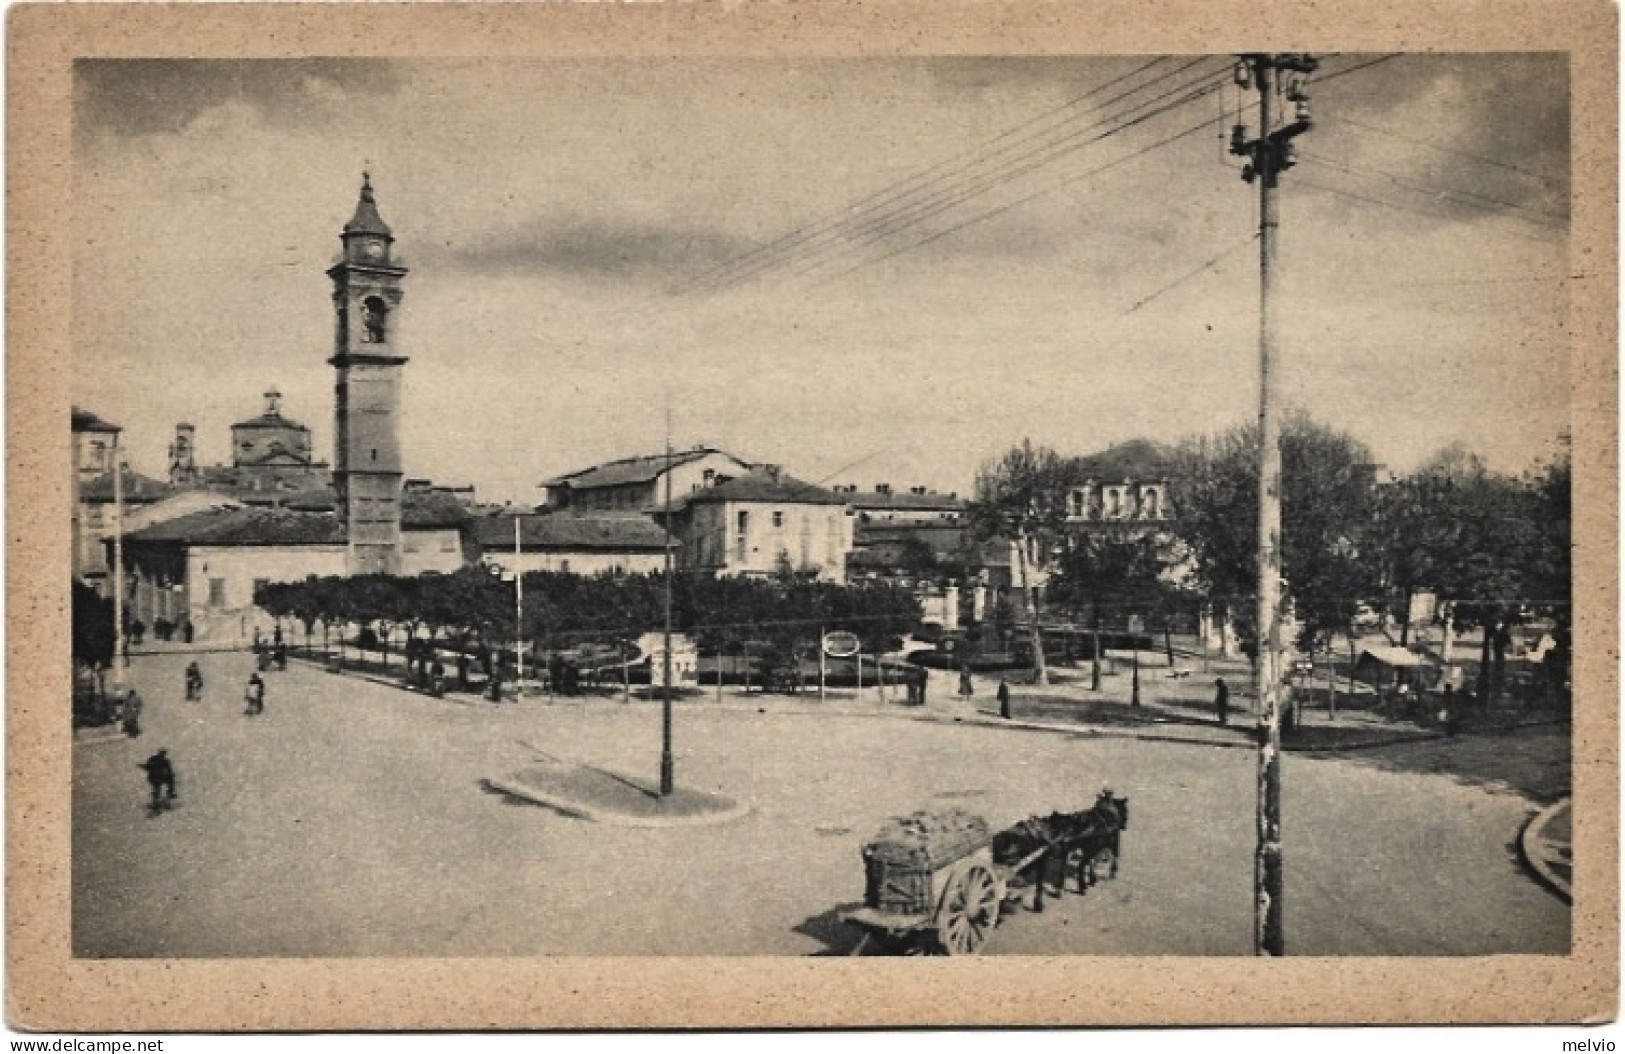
x=1325, y=514
x=1127, y=569
x=93, y=636
x=1022, y=497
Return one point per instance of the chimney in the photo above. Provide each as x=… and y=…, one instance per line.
x=773, y=471
x=182, y=453
x=883, y=488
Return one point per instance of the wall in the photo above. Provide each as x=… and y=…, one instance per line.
x=579, y=561
x=439, y=550
x=810, y=537
x=1118, y=500
x=238, y=568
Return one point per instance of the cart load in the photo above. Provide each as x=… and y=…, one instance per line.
x=903, y=855
x=937, y=881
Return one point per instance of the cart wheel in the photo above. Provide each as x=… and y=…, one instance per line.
x=1104, y=863
x=970, y=910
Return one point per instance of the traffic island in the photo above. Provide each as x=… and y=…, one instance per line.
x=602, y=796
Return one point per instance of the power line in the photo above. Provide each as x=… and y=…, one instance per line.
x=1046, y=190
x=868, y=224
x=1462, y=197
x=1509, y=166
x=1192, y=274
x=884, y=193
x=875, y=231
x=1379, y=60
x=1403, y=208
x=893, y=202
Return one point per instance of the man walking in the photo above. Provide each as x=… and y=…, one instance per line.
x=1221, y=702
x=1004, y=698
x=132, y=714
x=255, y=696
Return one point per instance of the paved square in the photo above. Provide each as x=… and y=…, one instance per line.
x=350, y=820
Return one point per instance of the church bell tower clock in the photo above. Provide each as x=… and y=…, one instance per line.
x=367, y=470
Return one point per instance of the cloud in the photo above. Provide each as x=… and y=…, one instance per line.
x=591, y=248
x=137, y=97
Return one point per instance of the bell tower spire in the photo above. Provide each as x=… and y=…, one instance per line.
x=367, y=464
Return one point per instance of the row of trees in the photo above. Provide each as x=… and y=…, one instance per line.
x=1488, y=545
x=562, y=609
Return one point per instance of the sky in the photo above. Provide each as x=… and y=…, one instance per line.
x=863, y=270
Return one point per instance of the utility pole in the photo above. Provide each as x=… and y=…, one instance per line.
x=121, y=647
x=1269, y=154
x=518, y=613
x=666, y=775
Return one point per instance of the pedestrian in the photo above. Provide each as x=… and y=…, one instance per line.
x=194, y=681
x=1447, y=712
x=255, y=696
x=966, y=687
x=1004, y=698
x=186, y=630
x=132, y=714
x=276, y=636
x=925, y=679
x=161, y=778
x=1221, y=702
x=279, y=652
x=437, y=679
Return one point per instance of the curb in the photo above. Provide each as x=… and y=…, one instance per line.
x=991, y=719
x=572, y=808
x=109, y=737
x=1530, y=843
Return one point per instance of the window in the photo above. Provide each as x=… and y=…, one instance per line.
x=778, y=518
x=217, y=592
x=373, y=314
x=564, y=566
x=259, y=584
x=741, y=534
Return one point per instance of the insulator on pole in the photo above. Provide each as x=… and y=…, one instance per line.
x=1303, y=110
x=1238, y=139
x=1244, y=75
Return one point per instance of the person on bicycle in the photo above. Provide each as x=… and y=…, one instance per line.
x=161, y=778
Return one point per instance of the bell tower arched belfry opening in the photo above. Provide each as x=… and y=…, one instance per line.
x=367, y=470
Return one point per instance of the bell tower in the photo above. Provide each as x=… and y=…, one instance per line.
x=367, y=471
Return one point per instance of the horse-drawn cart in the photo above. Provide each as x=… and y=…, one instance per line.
x=938, y=882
